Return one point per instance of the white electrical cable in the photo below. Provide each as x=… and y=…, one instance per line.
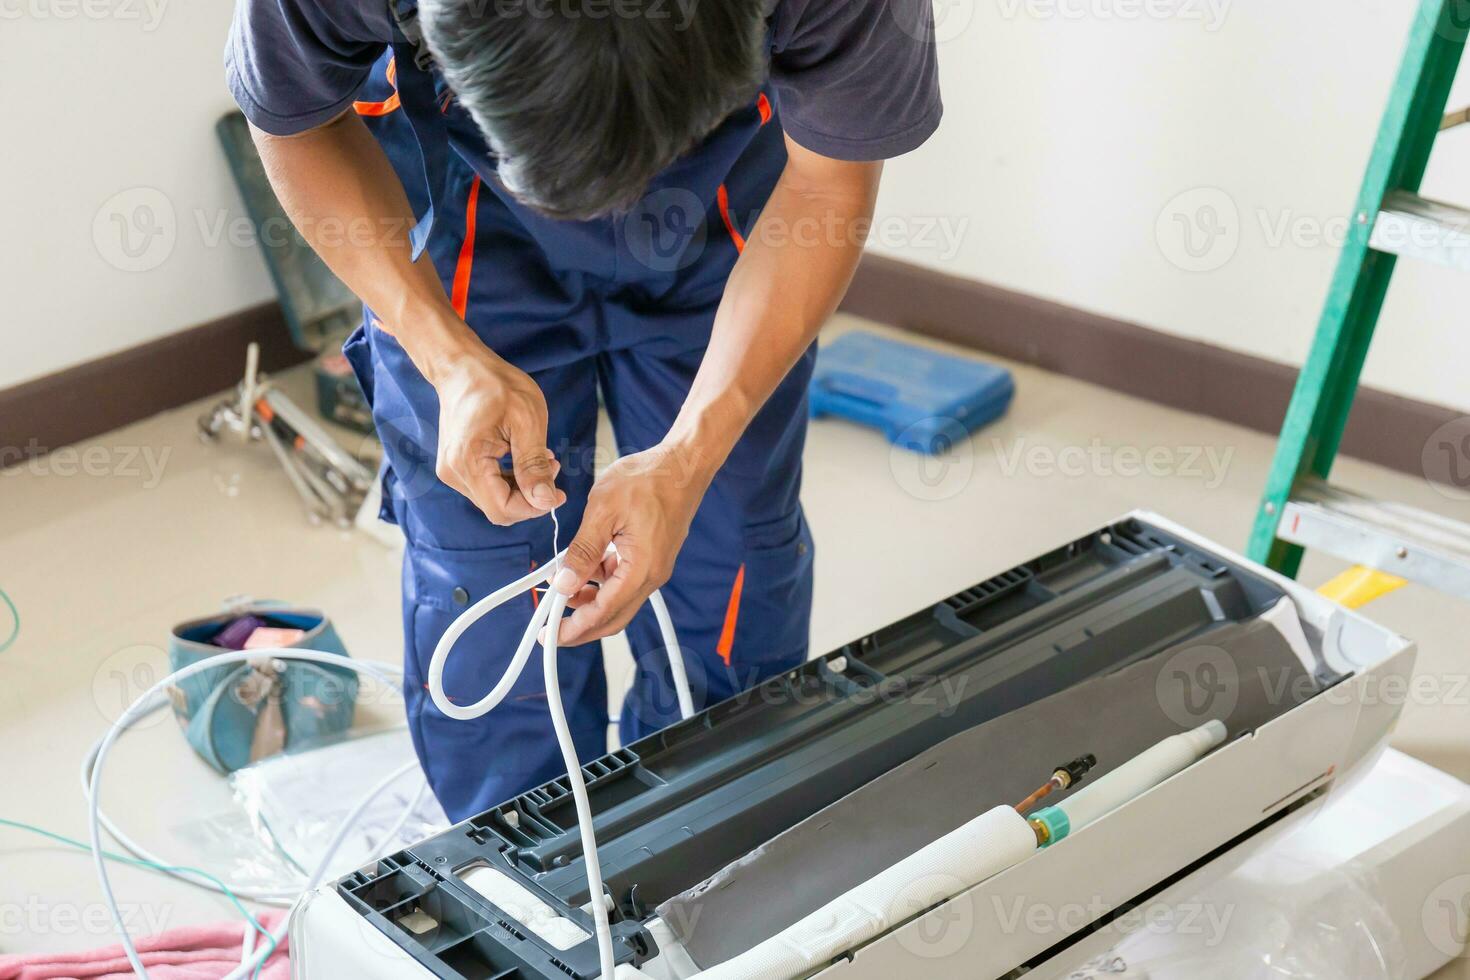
x=583, y=805
x=676, y=659
x=278, y=935
x=247, y=943
x=149, y=702
x=283, y=897
x=551, y=612
x=467, y=619
x=543, y=613
x=155, y=698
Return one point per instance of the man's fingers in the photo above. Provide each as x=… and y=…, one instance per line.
x=559, y=497
x=535, y=471
x=584, y=554
x=604, y=573
x=583, y=597
x=535, y=477
x=615, y=604
x=600, y=618
x=476, y=472
x=492, y=496
x=498, y=497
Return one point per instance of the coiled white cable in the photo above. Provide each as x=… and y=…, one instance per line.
x=283, y=897
x=552, y=612
x=155, y=698
x=544, y=612
x=151, y=701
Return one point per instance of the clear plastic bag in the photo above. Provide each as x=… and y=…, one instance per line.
x=1286, y=914
x=300, y=800
x=288, y=808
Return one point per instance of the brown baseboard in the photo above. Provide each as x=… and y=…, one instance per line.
x=112, y=391
x=1188, y=374
x=83, y=401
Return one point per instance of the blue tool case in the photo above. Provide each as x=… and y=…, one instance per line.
x=921, y=399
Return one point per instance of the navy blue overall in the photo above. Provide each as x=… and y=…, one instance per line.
x=621, y=306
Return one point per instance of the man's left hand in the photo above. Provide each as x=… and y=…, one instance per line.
x=643, y=504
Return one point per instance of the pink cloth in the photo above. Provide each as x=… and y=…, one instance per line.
x=190, y=953
x=270, y=637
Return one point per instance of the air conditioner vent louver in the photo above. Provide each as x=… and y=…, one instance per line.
x=976, y=596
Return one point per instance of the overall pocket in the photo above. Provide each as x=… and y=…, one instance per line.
x=443, y=583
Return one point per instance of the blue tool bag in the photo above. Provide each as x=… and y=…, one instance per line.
x=237, y=714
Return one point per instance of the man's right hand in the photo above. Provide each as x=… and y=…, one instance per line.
x=489, y=409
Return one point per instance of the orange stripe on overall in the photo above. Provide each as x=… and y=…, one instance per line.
x=726, y=642
x=763, y=106
x=387, y=105
x=459, y=296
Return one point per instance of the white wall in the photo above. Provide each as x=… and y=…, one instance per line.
x=1067, y=137
x=100, y=98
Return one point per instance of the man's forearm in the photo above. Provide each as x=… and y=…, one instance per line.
x=797, y=264
x=342, y=194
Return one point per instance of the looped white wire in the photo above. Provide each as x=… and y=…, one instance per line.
x=149, y=702
x=544, y=613
x=552, y=612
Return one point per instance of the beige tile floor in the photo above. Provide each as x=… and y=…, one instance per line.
x=104, y=549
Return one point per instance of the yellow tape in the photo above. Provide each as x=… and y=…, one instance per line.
x=1360, y=585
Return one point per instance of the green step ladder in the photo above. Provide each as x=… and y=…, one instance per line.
x=1300, y=509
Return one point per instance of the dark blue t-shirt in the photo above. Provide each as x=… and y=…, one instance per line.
x=854, y=79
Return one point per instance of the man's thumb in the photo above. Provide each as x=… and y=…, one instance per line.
x=584, y=556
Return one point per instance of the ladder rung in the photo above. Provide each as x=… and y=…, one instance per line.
x=1415, y=544
x=1457, y=118
x=1416, y=227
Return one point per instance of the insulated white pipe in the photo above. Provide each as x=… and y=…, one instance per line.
x=982, y=848
x=985, y=846
x=1139, y=774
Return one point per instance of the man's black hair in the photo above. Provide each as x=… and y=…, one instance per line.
x=585, y=101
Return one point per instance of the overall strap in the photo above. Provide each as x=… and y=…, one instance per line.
x=419, y=101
